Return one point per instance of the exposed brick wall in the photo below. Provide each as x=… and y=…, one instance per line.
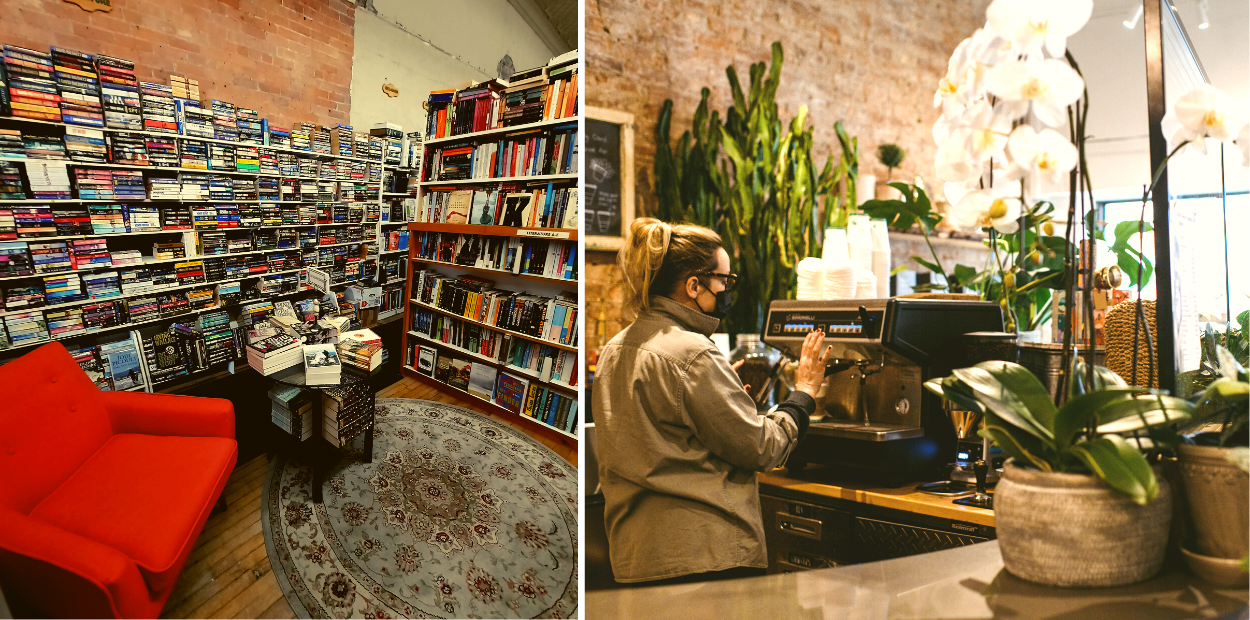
x=873, y=64
x=289, y=59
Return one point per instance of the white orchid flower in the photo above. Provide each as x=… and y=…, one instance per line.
x=981, y=132
x=1034, y=25
x=1049, y=85
x=965, y=71
x=1039, y=158
x=1243, y=141
x=1204, y=112
x=953, y=165
x=987, y=208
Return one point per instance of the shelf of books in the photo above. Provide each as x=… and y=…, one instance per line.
x=492, y=309
x=147, y=230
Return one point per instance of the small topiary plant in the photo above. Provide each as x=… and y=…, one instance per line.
x=891, y=156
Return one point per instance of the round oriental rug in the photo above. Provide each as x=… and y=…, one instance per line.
x=457, y=516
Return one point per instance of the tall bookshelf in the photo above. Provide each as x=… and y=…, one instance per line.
x=423, y=232
x=361, y=236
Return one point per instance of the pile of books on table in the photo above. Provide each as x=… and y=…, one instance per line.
x=360, y=349
x=321, y=364
x=293, y=410
x=271, y=349
x=345, y=413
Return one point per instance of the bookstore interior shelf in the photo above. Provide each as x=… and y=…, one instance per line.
x=537, y=177
x=168, y=134
x=524, y=276
x=392, y=251
x=398, y=195
x=502, y=412
x=502, y=130
x=559, y=234
x=494, y=328
x=560, y=385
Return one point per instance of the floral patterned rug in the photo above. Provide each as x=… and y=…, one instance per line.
x=457, y=516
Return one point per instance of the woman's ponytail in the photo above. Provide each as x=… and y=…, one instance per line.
x=658, y=255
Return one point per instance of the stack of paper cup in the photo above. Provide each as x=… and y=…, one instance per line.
x=859, y=239
x=839, y=280
x=811, y=273
x=881, y=256
x=835, y=245
x=865, y=284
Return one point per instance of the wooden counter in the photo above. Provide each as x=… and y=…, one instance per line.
x=819, y=480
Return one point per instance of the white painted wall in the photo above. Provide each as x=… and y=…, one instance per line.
x=423, y=45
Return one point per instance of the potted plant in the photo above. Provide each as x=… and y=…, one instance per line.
x=1078, y=505
x=891, y=156
x=1213, y=471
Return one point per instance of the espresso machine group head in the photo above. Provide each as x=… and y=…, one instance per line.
x=878, y=419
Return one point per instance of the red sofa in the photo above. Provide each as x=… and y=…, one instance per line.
x=102, y=494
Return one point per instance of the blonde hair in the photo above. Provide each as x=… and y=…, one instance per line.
x=657, y=256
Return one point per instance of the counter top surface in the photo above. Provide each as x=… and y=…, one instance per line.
x=820, y=480
x=965, y=582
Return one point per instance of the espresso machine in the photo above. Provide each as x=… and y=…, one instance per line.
x=878, y=420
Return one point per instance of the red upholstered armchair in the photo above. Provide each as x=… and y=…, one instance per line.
x=102, y=494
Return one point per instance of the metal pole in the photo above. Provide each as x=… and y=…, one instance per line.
x=1156, y=104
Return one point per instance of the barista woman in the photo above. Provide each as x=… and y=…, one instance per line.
x=678, y=437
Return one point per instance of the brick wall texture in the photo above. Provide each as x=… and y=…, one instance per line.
x=873, y=64
x=289, y=59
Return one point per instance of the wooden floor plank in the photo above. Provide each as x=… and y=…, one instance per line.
x=280, y=609
x=207, y=572
x=229, y=599
x=260, y=596
x=232, y=580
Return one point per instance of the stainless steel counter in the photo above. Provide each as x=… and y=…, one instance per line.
x=965, y=583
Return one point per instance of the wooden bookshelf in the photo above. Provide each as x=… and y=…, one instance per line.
x=409, y=371
x=479, y=136
x=555, y=234
x=533, y=376
x=537, y=177
x=501, y=330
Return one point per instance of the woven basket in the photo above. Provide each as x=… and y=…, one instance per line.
x=1073, y=530
x=1118, y=329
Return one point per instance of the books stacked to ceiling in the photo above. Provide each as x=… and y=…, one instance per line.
x=127, y=148
x=78, y=85
x=251, y=126
x=271, y=348
x=192, y=119
x=477, y=108
x=293, y=410
x=85, y=144
x=525, y=98
x=225, y=122
x=562, y=87
x=439, y=113
x=32, y=84
x=120, y=91
x=321, y=364
x=360, y=349
x=345, y=413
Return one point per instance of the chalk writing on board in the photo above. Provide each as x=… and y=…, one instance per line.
x=603, y=179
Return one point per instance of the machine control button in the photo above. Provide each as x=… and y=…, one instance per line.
x=902, y=406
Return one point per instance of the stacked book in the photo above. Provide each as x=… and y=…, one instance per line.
x=438, y=113
x=78, y=85
x=244, y=189
x=293, y=410
x=321, y=140
x=268, y=189
x=268, y=161
x=36, y=221
x=164, y=188
x=32, y=84
x=120, y=92
x=71, y=219
x=225, y=122
x=41, y=144
x=220, y=187
x=279, y=138
x=8, y=224
x=525, y=98
x=11, y=182
x=127, y=258
x=128, y=185
x=157, y=104
x=561, y=90
x=307, y=167
x=185, y=88
x=102, y=285
x=127, y=148
x=26, y=296
x=321, y=364
x=247, y=159
x=344, y=414
x=26, y=328
x=64, y=288
x=89, y=253
x=341, y=141
x=15, y=259
x=194, y=186
x=194, y=154
x=162, y=152
x=84, y=144
x=221, y=156
x=107, y=220
x=192, y=119
x=48, y=180
x=94, y=184
x=251, y=127
x=268, y=354
x=301, y=137
x=11, y=147
x=102, y=315
x=141, y=309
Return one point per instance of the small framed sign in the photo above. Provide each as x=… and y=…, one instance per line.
x=607, y=202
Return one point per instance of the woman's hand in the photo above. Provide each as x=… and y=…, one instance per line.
x=736, y=365
x=811, y=371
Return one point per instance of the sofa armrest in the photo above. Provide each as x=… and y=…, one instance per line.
x=66, y=575
x=163, y=414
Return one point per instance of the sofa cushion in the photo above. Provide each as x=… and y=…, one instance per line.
x=147, y=496
x=53, y=422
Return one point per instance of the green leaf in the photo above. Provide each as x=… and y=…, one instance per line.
x=1119, y=464
x=931, y=267
x=1016, y=444
x=992, y=390
x=965, y=274
x=1079, y=412
x=1125, y=230
x=1131, y=414
x=956, y=392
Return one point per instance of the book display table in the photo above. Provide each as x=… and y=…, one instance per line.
x=353, y=403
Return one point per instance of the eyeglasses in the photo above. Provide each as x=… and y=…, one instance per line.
x=731, y=279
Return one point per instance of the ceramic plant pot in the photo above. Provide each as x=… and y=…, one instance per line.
x=1218, y=494
x=1072, y=530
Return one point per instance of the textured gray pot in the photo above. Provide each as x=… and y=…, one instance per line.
x=1218, y=493
x=1072, y=530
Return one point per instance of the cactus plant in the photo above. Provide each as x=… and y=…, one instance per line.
x=752, y=179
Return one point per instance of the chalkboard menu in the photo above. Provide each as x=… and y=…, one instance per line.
x=602, y=198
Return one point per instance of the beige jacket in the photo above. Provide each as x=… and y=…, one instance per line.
x=679, y=442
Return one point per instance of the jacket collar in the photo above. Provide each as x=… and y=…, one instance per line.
x=688, y=318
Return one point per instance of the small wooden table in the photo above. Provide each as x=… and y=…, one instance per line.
x=356, y=382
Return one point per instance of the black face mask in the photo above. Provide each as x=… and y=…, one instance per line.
x=721, y=309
